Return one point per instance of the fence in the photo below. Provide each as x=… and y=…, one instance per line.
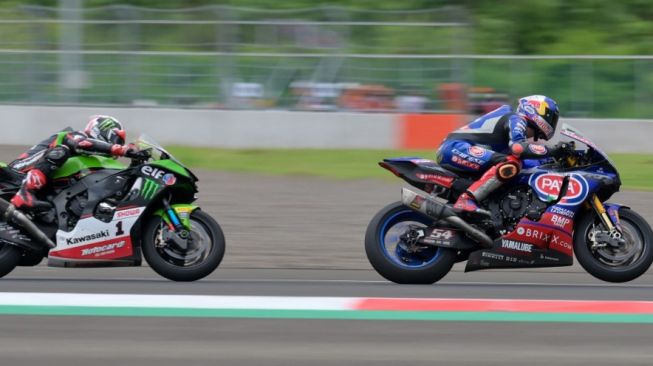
x=321, y=58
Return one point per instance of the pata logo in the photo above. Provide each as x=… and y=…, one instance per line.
x=548, y=187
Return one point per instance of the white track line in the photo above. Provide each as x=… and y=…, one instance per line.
x=176, y=301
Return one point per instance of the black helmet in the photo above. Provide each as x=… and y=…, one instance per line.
x=105, y=128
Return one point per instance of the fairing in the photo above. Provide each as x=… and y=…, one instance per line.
x=85, y=164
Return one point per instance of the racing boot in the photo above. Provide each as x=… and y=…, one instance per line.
x=467, y=203
x=25, y=200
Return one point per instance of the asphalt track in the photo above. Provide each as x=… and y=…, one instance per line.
x=303, y=236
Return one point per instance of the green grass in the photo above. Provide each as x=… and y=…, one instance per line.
x=636, y=169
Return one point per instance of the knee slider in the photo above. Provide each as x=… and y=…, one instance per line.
x=57, y=155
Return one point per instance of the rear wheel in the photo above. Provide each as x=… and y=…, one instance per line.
x=398, y=260
x=607, y=262
x=9, y=258
x=185, y=259
x=30, y=259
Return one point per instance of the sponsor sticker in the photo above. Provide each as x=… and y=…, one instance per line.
x=152, y=172
x=169, y=179
x=517, y=245
x=89, y=237
x=417, y=202
x=467, y=157
x=529, y=232
x=562, y=211
x=537, y=149
x=560, y=221
x=477, y=151
x=529, y=109
x=490, y=255
x=128, y=213
x=557, y=240
x=465, y=163
x=548, y=185
x=102, y=250
x=436, y=178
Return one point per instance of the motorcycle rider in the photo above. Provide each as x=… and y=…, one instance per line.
x=103, y=135
x=494, y=144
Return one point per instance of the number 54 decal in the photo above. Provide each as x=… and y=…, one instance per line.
x=441, y=234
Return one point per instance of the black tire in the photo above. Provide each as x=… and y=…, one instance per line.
x=30, y=259
x=155, y=256
x=432, y=271
x=9, y=258
x=595, y=265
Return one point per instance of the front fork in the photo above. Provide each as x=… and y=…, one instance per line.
x=176, y=218
x=610, y=219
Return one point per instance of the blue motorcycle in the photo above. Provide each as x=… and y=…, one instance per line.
x=552, y=210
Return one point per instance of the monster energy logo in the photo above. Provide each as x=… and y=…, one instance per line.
x=107, y=124
x=149, y=189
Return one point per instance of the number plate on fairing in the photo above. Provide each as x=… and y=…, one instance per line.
x=95, y=239
x=446, y=238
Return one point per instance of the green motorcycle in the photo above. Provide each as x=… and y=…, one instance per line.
x=107, y=214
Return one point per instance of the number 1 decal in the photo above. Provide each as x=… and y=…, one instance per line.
x=119, y=230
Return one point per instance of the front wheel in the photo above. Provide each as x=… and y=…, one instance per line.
x=611, y=263
x=190, y=259
x=400, y=261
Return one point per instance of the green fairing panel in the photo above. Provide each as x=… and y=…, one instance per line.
x=3, y=165
x=77, y=164
x=183, y=210
x=171, y=166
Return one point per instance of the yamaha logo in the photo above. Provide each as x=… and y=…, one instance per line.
x=476, y=151
x=537, y=149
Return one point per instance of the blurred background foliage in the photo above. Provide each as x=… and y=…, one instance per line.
x=547, y=27
x=583, y=88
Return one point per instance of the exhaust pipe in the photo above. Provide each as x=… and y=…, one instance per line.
x=439, y=211
x=12, y=215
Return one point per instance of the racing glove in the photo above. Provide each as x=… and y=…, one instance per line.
x=134, y=153
x=130, y=151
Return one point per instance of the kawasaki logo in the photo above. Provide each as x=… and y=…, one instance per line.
x=81, y=239
x=103, y=248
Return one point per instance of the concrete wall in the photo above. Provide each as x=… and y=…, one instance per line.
x=23, y=125
x=234, y=129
